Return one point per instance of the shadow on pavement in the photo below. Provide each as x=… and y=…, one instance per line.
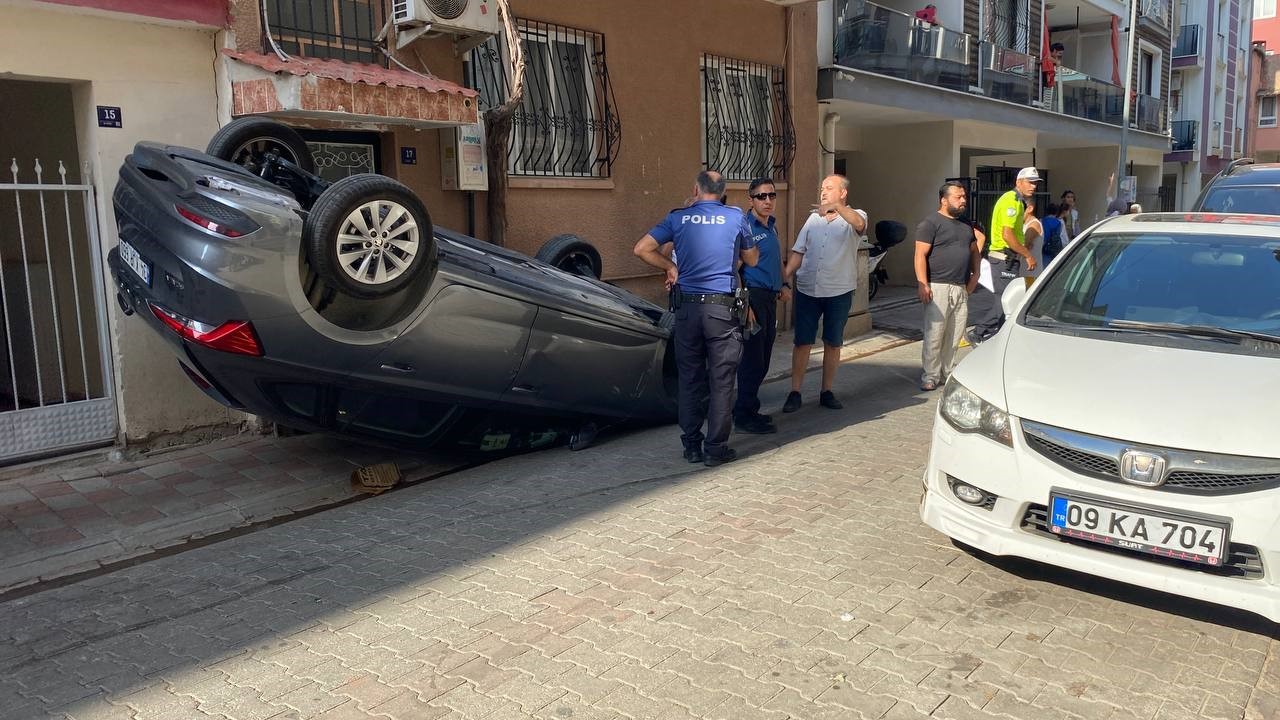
x=68, y=648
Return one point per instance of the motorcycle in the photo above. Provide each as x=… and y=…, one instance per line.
x=887, y=234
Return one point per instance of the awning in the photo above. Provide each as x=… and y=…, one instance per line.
x=338, y=91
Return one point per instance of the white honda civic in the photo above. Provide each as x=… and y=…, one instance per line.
x=1125, y=421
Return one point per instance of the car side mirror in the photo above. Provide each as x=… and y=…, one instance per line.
x=1015, y=293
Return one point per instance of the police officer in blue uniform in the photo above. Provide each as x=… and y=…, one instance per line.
x=709, y=239
x=765, y=287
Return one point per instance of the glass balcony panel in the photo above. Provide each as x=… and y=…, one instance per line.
x=888, y=42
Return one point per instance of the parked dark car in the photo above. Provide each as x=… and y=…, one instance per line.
x=340, y=308
x=1243, y=187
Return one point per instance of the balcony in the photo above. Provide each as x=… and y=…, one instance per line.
x=1148, y=114
x=1187, y=44
x=881, y=40
x=1087, y=97
x=888, y=42
x=1186, y=133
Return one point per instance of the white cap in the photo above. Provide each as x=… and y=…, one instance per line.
x=1029, y=173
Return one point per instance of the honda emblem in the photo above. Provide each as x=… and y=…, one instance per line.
x=1142, y=468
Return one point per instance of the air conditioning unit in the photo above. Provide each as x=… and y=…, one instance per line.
x=472, y=20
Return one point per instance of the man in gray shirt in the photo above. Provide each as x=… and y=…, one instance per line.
x=823, y=264
x=947, y=263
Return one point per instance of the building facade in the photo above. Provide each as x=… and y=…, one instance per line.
x=623, y=106
x=908, y=104
x=1263, y=131
x=1209, y=98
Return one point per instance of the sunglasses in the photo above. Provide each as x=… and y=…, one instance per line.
x=765, y=196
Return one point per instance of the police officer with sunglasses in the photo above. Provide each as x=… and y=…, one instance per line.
x=709, y=239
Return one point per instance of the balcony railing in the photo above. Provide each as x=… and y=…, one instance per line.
x=1007, y=74
x=1149, y=114
x=299, y=29
x=1185, y=134
x=1088, y=97
x=1187, y=44
x=888, y=42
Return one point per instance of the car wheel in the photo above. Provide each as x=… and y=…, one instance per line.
x=573, y=255
x=369, y=236
x=248, y=140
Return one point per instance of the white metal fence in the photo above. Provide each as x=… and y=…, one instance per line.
x=55, y=367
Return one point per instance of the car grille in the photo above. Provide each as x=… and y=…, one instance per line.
x=1101, y=461
x=1078, y=460
x=1243, y=561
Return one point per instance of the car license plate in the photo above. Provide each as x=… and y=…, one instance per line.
x=1166, y=533
x=134, y=260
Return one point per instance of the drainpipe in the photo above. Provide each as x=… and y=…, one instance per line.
x=1128, y=94
x=829, y=143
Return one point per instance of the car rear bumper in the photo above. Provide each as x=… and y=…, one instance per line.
x=1022, y=480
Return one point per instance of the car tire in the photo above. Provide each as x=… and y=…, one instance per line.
x=351, y=249
x=573, y=255
x=244, y=141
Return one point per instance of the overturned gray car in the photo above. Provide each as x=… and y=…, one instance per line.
x=339, y=307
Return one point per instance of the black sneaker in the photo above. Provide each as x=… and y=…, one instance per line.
x=754, y=426
x=828, y=400
x=764, y=418
x=693, y=455
x=722, y=457
x=793, y=402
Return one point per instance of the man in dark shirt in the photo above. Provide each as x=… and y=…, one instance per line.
x=947, y=261
x=765, y=286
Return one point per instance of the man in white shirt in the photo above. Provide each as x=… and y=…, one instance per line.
x=823, y=266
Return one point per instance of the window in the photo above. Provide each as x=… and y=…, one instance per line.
x=336, y=29
x=565, y=125
x=747, y=131
x=1264, y=9
x=1146, y=74
x=1267, y=111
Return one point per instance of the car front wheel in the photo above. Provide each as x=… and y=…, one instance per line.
x=369, y=236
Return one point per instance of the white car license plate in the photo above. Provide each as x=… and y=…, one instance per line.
x=1165, y=533
x=135, y=262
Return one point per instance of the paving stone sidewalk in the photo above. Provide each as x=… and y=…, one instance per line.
x=621, y=582
x=65, y=518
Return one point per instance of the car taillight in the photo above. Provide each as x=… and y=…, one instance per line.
x=204, y=222
x=233, y=336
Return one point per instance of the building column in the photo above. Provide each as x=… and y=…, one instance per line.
x=829, y=143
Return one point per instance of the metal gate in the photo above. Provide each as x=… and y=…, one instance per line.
x=55, y=369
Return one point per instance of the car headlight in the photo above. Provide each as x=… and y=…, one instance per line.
x=966, y=412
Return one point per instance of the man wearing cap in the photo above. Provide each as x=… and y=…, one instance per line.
x=1008, y=254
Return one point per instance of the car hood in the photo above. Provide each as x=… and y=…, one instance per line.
x=1164, y=396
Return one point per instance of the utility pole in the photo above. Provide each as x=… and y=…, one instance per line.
x=1128, y=95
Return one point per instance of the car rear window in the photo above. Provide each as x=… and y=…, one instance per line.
x=1260, y=199
x=1230, y=282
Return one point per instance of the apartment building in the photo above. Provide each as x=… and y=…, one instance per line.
x=1262, y=132
x=1209, y=98
x=907, y=104
x=623, y=106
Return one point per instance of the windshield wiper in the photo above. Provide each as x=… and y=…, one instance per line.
x=1043, y=321
x=1208, y=331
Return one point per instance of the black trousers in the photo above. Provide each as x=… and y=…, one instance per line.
x=756, y=352
x=986, y=313
x=708, y=347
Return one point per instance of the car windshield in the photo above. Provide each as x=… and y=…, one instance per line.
x=1197, y=287
x=1253, y=199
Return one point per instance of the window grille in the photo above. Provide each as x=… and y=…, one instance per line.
x=747, y=129
x=566, y=124
x=332, y=29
